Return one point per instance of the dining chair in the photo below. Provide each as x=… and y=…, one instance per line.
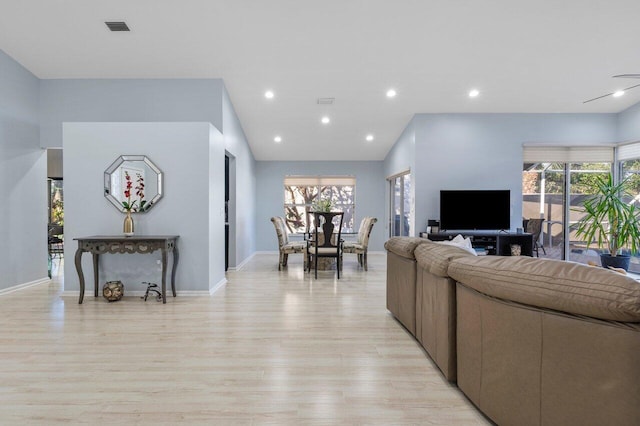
x=286, y=247
x=534, y=227
x=360, y=246
x=56, y=241
x=326, y=240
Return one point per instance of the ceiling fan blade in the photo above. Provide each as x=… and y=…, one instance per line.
x=599, y=97
x=609, y=94
x=627, y=76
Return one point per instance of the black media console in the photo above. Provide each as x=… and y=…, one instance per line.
x=495, y=243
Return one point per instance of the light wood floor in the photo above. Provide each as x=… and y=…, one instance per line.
x=269, y=348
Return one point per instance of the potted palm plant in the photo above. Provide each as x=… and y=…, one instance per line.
x=611, y=222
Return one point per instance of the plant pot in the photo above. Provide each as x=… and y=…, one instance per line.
x=619, y=261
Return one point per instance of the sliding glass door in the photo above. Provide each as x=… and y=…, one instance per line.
x=543, y=197
x=400, y=212
x=630, y=169
x=556, y=192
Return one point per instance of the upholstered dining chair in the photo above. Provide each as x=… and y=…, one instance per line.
x=360, y=246
x=286, y=247
x=534, y=227
x=326, y=240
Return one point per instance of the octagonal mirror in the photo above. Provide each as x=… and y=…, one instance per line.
x=133, y=183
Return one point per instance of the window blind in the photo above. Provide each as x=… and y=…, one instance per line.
x=629, y=151
x=567, y=154
x=319, y=180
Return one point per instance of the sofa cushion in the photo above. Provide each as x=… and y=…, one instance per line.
x=435, y=257
x=562, y=286
x=460, y=241
x=403, y=246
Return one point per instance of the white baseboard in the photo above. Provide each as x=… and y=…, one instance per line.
x=267, y=252
x=244, y=262
x=22, y=286
x=217, y=286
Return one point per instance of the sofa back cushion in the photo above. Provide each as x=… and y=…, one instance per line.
x=562, y=286
x=435, y=258
x=403, y=246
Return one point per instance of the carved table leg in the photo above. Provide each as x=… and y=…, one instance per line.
x=164, y=275
x=80, y=274
x=95, y=274
x=173, y=269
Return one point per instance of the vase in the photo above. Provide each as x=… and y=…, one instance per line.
x=128, y=224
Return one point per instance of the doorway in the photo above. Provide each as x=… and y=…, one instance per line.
x=226, y=213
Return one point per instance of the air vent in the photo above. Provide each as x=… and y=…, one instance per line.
x=117, y=26
x=326, y=101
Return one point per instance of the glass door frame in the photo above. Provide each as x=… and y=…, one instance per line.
x=402, y=202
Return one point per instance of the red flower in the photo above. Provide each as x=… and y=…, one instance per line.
x=139, y=190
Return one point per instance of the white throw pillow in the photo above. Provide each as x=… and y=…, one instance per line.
x=463, y=243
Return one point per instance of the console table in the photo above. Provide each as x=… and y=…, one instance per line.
x=100, y=244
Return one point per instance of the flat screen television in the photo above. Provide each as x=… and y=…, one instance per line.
x=475, y=209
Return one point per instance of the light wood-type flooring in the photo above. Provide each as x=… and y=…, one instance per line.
x=269, y=348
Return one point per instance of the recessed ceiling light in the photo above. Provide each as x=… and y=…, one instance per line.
x=391, y=93
x=269, y=94
x=473, y=93
x=325, y=120
x=369, y=138
x=277, y=139
x=618, y=93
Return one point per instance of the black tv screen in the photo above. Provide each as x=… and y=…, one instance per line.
x=477, y=209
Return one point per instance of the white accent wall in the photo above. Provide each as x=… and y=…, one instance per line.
x=192, y=205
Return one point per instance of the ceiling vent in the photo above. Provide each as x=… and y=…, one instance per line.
x=117, y=26
x=326, y=101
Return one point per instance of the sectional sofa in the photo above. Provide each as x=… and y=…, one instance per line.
x=529, y=341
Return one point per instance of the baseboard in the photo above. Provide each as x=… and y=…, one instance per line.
x=22, y=286
x=217, y=286
x=243, y=263
x=267, y=252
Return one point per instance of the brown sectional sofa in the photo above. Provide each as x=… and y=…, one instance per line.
x=401, y=271
x=530, y=341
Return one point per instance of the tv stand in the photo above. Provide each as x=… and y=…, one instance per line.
x=493, y=242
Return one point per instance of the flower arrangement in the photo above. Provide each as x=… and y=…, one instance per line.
x=130, y=206
x=322, y=206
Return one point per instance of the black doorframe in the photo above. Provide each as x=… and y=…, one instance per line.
x=226, y=212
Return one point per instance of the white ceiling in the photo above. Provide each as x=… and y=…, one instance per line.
x=524, y=56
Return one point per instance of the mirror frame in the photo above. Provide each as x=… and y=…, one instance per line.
x=115, y=165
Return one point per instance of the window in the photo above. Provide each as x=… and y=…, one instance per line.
x=301, y=192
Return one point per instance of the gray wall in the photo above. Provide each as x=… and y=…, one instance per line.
x=54, y=163
x=484, y=151
x=370, y=187
x=191, y=205
x=629, y=124
x=124, y=100
x=158, y=100
x=242, y=206
x=23, y=176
